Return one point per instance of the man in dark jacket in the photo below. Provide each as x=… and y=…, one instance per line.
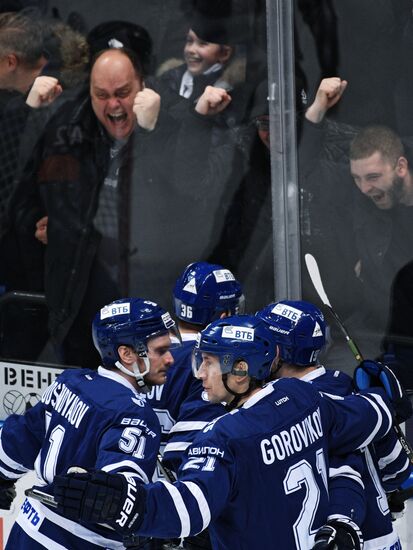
x=80, y=178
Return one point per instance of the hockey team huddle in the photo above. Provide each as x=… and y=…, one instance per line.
x=220, y=430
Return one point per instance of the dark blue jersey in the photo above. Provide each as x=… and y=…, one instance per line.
x=386, y=466
x=166, y=399
x=89, y=419
x=272, y=454
x=194, y=414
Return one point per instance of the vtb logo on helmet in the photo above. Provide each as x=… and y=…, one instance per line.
x=237, y=340
x=130, y=322
x=204, y=291
x=298, y=328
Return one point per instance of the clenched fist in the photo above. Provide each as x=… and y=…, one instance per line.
x=328, y=94
x=44, y=91
x=146, y=107
x=212, y=101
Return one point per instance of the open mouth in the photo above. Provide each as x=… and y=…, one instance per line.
x=377, y=196
x=117, y=118
x=193, y=60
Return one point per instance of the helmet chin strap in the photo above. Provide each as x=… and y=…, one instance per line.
x=237, y=396
x=136, y=373
x=278, y=364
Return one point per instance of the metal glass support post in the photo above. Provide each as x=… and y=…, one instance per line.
x=284, y=176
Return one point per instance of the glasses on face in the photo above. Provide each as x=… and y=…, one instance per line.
x=262, y=123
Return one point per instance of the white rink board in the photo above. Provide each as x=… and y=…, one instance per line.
x=21, y=385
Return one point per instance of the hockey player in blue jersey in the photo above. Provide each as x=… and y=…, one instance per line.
x=257, y=475
x=299, y=331
x=204, y=292
x=94, y=421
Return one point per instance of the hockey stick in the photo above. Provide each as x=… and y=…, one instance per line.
x=315, y=277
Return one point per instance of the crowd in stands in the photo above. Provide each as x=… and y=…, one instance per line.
x=119, y=165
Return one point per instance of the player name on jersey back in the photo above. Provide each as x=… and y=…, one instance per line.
x=289, y=441
x=66, y=403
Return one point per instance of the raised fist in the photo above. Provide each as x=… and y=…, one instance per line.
x=45, y=90
x=146, y=107
x=212, y=101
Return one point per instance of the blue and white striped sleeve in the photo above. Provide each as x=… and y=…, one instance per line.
x=346, y=488
x=20, y=442
x=187, y=506
x=356, y=420
x=393, y=462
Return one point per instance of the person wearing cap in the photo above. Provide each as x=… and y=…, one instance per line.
x=213, y=56
x=205, y=58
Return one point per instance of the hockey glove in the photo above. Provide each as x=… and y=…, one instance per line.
x=338, y=534
x=396, y=500
x=7, y=493
x=374, y=374
x=99, y=497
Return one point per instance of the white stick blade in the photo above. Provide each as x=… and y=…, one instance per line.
x=315, y=276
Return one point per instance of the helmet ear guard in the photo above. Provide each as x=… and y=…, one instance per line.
x=240, y=368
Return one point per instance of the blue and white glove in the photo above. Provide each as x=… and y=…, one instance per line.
x=338, y=534
x=370, y=374
x=99, y=497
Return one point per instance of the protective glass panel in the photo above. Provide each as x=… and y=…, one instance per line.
x=121, y=168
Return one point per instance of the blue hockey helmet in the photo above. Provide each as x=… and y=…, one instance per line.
x=204, y=291
x=131, y=322
x=237, y=338
x=298, y=328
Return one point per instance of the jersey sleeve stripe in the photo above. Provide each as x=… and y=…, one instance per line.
x=177, y=446
x=9, y=474
x=73, y=527
x=9, y=462
x=379, y=422
x=383, y=408
x=345, y=471
x=180, y=507
x=391, y=457
x=395, y=474
x=201, y=501
x=129, y=465
x=187, y=426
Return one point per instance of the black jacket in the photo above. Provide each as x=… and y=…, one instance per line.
x=63, y=180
